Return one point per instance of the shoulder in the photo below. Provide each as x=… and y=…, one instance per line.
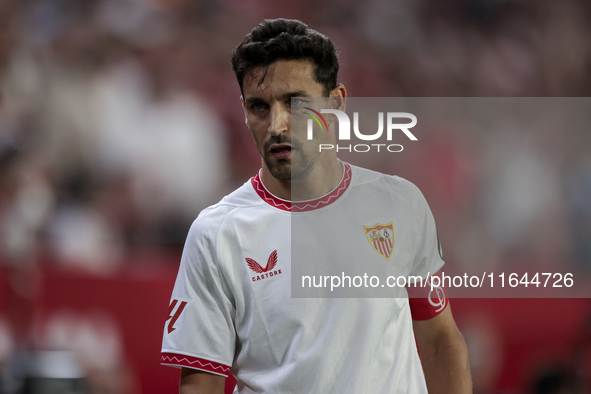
x=380, y=182
x=210, y=219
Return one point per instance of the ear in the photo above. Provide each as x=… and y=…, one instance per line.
x=244, y=109
x=338, y=97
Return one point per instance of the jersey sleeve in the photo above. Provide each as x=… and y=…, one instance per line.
x=426, y=300
x=428, y=258
x=199, y=331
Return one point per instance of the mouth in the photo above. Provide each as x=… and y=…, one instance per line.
x=280, y=151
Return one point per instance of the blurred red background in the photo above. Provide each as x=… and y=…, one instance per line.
x=120, y=120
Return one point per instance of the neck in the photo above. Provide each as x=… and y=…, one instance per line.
x=320, y=181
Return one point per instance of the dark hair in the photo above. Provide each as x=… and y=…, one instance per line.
x=286, y=39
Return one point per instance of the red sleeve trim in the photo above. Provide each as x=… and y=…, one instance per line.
x=181, y=360
x=426, y=301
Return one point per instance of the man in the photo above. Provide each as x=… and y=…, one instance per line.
x=228, y=314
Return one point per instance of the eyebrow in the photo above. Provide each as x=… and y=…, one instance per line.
x=299, y=93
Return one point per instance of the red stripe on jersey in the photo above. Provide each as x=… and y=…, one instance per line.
x=302, y=206
x=388, y=247
x=181, y=360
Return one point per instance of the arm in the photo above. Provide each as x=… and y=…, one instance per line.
x=444, y=355
x=199, y=382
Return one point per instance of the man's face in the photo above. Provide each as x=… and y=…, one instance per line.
x=268, y=111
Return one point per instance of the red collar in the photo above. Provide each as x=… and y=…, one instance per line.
x=302, y=206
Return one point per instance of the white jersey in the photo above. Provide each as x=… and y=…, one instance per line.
x=232, y=311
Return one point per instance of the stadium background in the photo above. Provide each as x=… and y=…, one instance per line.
x=120, y=120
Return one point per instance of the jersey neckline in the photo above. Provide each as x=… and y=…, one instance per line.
x=302, y=206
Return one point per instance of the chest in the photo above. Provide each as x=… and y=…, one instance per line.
x=281, y=256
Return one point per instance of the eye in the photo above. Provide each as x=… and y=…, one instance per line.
x=295, y=102
x=258, y=107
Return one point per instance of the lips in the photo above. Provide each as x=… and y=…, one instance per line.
x=280, y=151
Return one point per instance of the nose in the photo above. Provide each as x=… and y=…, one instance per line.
x=279, y=120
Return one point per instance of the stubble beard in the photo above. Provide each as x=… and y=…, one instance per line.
x=288, y=169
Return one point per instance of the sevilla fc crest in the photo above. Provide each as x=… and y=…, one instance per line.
x=381, y=238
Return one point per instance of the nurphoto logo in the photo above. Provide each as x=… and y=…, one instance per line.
x=345, y=129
